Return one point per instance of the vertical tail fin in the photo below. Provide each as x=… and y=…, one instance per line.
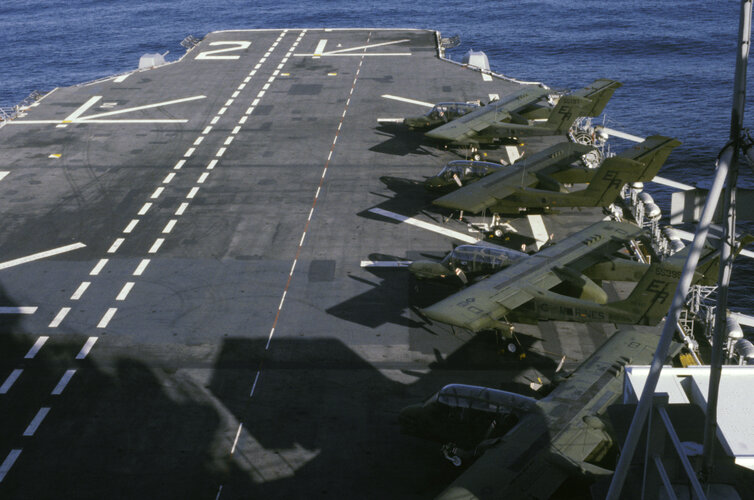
x=608, y=180
x=569, y=108
x=652, y=152
x=598, y=93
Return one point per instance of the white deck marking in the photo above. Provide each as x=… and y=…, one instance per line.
x=125, y=291
x=145, y=208
x=538, y=230
x=189, y=152
x=122, y=78
x=157, y=192
x=425, y=225
x=672, y=183
x=10, y=380
x=266, y=86
x=220, y=152
x=36, y=347
x=486, y=77
x=169, y=226
x=385, y=263
x=80, y=290
x=36, y=421
x=192, y=193
x=255, y=102
x=84, y=352
x=243, y=119
x=198, y=140
x=228, y=102
x=82, y=109
x=211, y=164
x=202, y=178
x=410, y=101
x=8, y=463
x=18, y=310
x=228, y=140
x=222, y=111
x=236, y=130
x=493, y=97
x=41, y=255
x=181, y=208
x=116, y=245
x=168, y=178
x=3, y=174
x=215, y=120
x=131, y=225
x=58, y=390
x=235, y=441
x=207, y=129
x=319, y=49
x=98, y=267
x=138, y=108
x=107, y=317
x=141, y=267
x=59, y=317
x=156, y=245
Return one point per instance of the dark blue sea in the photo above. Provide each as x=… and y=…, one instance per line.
x=676, y=59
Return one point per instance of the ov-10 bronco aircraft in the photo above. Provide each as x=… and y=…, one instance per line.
x=538, y=181
x=514, y=116
x=523, y=447
x=560, y=283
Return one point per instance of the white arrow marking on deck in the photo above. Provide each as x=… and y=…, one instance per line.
x=406, y=99
x=424, y=225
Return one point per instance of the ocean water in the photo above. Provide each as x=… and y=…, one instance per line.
x=676, y=59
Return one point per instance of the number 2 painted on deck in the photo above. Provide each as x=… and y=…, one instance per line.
x=212, y=54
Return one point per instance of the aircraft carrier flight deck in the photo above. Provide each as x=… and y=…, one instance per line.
x=185, y=309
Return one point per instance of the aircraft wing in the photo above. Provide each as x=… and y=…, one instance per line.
x=486, y=192
x=482, y=305
x=556, y=440
x=470, y=124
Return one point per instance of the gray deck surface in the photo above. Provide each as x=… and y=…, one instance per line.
x=253, y=356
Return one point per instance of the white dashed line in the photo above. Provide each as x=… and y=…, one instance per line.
x=228, y=103
x=145, y=208
x=202, y=178
x=36, y=421
x=236, y=130
x=198, y=140
x=169, y=226
x=80, y=290
x=59, y=317
x=141, y=267
x=8, y=463
x=36, y=347
x=179, y=164
x=182, y=208
x=189, y=152
x=192, y=193
x=228, y=140
x=58, y=390
x=249, y=110
x=10, y=381
x=261, y=94
x=168, y=178
x=157, y=192
x=131, y=225
x=211, y=164
x=222, y=111
x=107, y=317
x=215, y=120
x=84, y=352
x=125, y=291
x=156, y=245
x=242, y=86
x=255, y=102
x=220, y=152
x=207, y=130
x=98, y=267
x=116, y=245
x=243, y=120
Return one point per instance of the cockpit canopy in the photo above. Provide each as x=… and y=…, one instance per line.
x=447, y=111
x=480, y=259
x=482, y=399
x=467, y=169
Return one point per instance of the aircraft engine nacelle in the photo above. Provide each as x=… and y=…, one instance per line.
x=578, y=285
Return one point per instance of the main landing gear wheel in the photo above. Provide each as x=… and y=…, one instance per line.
x=512, y=347
x=497, y=231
